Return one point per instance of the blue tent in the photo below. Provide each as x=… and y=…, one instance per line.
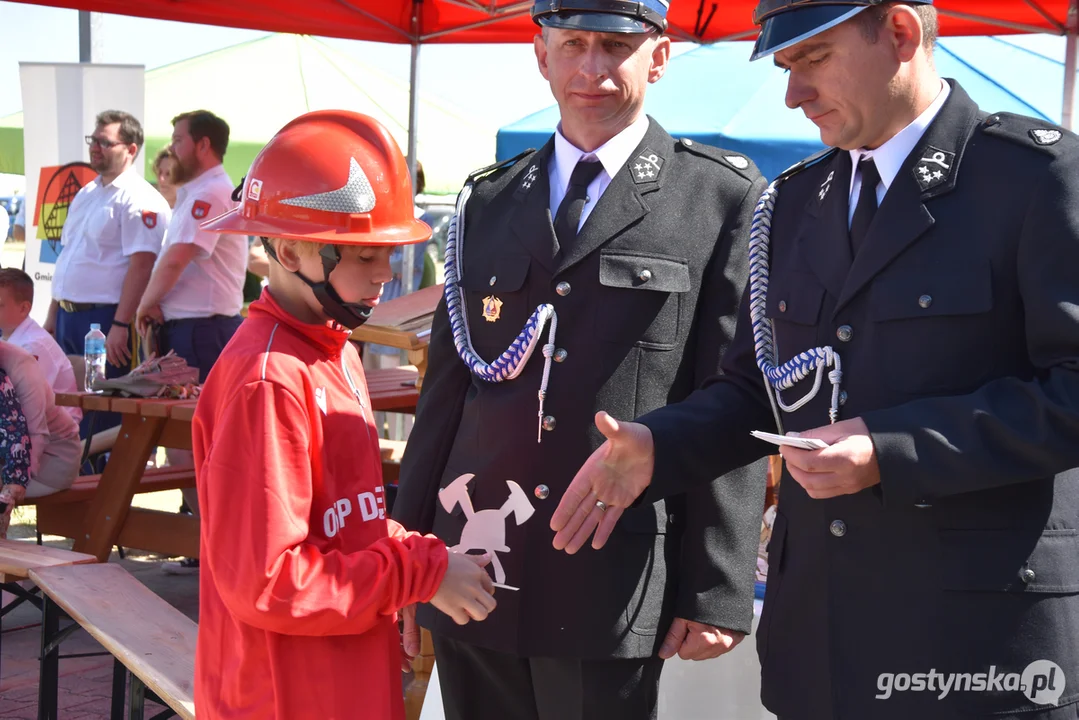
x=713, y=94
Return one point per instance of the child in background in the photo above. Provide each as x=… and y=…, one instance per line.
x=302, y=573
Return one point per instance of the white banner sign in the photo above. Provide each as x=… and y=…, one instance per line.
x=60, y=102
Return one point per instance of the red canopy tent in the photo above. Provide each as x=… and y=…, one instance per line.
x=417, y=22
x=501, y=21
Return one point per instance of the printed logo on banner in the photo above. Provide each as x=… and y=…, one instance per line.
x=56, y=189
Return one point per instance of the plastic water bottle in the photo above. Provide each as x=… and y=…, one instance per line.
x=94, y=354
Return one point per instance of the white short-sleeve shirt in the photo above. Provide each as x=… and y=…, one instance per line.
x=212, y=283
x=105, y=226
x=32, y=338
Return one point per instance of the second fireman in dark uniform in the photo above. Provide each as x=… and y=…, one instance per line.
x=637, y=242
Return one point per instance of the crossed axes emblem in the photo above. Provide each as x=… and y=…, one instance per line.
x=486, y=529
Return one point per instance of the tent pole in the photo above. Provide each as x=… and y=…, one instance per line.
x=408, y=261
x=1071, y=56
x=88, y=23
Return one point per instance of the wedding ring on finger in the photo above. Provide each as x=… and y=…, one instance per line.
x=601, y=505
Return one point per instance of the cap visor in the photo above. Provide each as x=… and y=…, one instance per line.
x=234, y=223
x=598, y=22
x=787, y=29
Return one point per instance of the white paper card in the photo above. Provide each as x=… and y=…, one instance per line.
x=790, y=440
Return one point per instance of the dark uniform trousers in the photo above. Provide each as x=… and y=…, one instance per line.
x=199, y=341
x=951, y=589
x=482, y=684
x=71, y=331
x=646, y=297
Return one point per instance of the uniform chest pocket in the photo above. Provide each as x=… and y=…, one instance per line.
x=497, y=303
x=102, y=227
x=932, y=330
x=794, y=305
x=641, y=299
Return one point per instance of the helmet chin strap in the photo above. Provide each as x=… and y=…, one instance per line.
x=349, y=315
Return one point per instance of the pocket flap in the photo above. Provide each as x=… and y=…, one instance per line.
x=1002, y=560
x=962, y=291
x=643, y=272
x=508, y=275
x=795, y=299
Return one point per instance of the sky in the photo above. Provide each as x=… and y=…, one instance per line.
x=32, y=33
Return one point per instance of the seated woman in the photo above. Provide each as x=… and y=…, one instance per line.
x=39, y=442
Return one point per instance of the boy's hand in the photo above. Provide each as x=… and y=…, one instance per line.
x=410, y=637
x=467, y=591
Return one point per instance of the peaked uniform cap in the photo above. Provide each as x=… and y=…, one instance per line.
x=330, y=176
x=785, y=23
x=608, y=16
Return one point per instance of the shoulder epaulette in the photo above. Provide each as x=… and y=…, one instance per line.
x=1027, y=131
x=477, y=174
x=806, y=163
x=728, y=158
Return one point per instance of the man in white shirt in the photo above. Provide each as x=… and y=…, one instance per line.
x=113, y=233
x=18, y=328
x=196, y=291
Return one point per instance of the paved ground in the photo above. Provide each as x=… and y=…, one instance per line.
x=85, y=683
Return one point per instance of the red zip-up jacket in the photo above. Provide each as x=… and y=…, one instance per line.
x=302, y=572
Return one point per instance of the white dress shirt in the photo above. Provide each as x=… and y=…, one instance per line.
x=57, y=369
x=212, y=283
x=890, y=156
x=105, y=225
x=613, y=154
x=55, y=449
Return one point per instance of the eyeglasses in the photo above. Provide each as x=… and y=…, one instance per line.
x=103, y=144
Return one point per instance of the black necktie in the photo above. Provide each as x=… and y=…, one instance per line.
x=867, y=205
x=569, y=212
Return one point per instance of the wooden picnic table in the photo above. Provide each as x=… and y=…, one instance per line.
x=108, y=518
x=404, y=323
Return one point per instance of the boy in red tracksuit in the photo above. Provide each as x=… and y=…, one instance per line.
x=302, y=572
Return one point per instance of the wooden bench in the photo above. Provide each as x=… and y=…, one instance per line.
x=150, y=640
x=18, y=558
x=153, y=480
x=65, y=514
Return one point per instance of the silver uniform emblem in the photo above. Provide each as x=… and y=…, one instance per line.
x=934, y=168
x=826, y=186
x=737, y=161
x=1046, y=137
x=530, y=177
x=357, y=195
x=646, y=167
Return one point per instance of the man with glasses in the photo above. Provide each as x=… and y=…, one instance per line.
x=112, y=236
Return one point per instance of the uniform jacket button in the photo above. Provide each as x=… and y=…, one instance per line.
x=838, y=528
x=542, y=491
x=925, y=301
x=782, y=306
x=1027, y=575
x=645, y=275
x=549, y=423
x=563, y=288
x=493, y=280
x=842, y=397
x=844, y=333
x=560, y=355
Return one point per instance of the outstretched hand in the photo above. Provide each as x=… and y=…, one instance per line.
x=616, y=474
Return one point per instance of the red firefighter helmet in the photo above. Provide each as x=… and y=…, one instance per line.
x=330, y=176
